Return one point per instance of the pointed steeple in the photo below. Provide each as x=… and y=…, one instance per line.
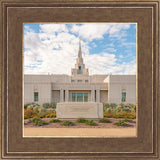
x=79, y=66
x=79, y=52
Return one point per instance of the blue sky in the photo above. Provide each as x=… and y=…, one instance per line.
x=106, y=48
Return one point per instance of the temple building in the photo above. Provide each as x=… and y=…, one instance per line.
x=80, y=88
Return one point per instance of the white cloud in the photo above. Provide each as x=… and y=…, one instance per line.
x=109, y=49
x=51, y=29
x=55, y=49
x=57, y=53
x=96, y=31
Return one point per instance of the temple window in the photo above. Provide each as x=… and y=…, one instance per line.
x=123, y=96
x=35, y=96
x=79, y=71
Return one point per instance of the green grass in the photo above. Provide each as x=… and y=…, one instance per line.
x=103, y=120
x=67, y=123
x=91, y=123
x=54, y=121
x=120, y=123
x=81, y=120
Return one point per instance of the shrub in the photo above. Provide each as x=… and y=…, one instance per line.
x=127, y=120
x=50, y=110
x=54, y=113
x=53, y=105
x=108, y=110
x=49, y=105
x=32, y=116
x=54, y=121
x=119, y=108
x=106, y=105
x=81, y=120
x=30, y=107
x=26, y=117
x=49, y=115
x=40, y=123
x=37, y=121
x=42, y=111
x=36, y=109
x=91, y=123
x=118, y=116
x=40, y=116
x=121, y=111
x=29, y=113
x=113, y=105
x=121, y=123
x=30, y=120
x=130, y=117
x=127, y=109
x=68, y=123
x=121, y=105
x=134, y=107
x=25, y=106
x=103, y=120
x=108, y=115
x=46, y=105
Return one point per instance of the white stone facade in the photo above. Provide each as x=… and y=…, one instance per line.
x=97, y=88
x=51, y=89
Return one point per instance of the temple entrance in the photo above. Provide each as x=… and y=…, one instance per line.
x=79, y=97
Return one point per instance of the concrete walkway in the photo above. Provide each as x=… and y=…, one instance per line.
x=80, y=132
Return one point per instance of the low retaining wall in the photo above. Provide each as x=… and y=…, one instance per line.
x=74, y=110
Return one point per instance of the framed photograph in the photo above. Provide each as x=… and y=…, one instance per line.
x=80, y=79
x=85, y=100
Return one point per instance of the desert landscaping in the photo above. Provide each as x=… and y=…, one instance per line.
x=119, y=120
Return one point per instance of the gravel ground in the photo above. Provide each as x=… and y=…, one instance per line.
x=81, y=125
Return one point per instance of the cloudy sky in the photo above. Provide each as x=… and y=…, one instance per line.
x=106, y=48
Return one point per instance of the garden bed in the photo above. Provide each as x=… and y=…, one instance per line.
x=81, y=125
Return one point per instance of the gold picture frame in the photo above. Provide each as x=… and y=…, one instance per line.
x=16, y=12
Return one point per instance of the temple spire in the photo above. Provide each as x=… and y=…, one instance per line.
x=79, y=66
x=79, y=52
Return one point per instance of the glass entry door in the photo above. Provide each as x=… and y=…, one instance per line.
x=85, y=97
x=79, y=97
